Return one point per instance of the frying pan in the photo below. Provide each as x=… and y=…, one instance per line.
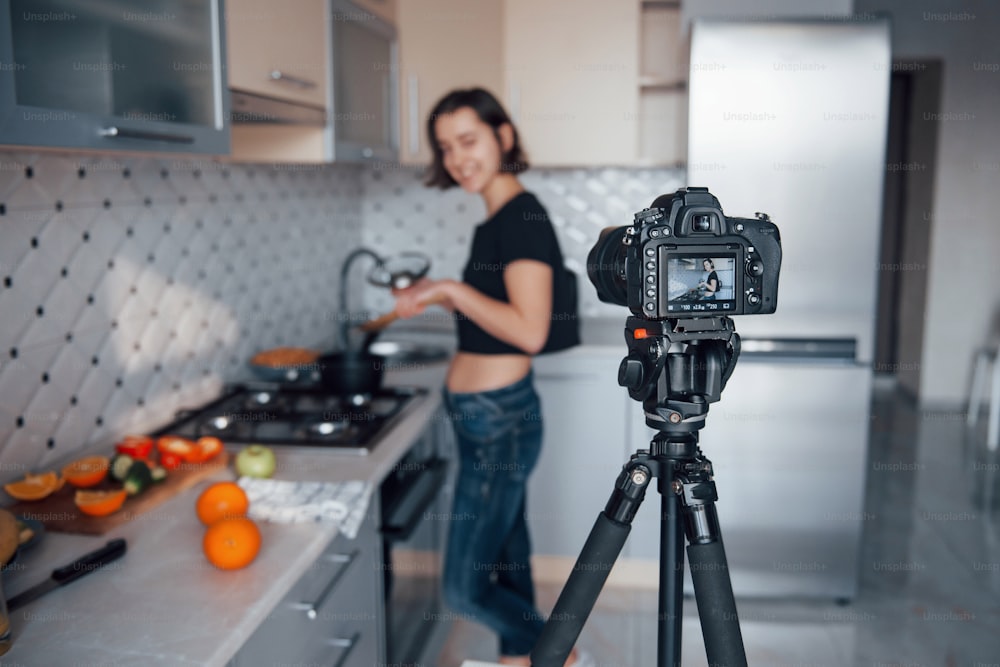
x=356, y=369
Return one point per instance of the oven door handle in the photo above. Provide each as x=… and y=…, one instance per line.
x=407, y=512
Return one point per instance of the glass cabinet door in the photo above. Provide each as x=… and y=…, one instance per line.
x=114, y=74
x=365, y=64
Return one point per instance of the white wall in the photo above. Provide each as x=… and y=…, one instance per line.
x=964, y=261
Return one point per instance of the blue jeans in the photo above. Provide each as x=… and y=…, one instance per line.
x=487, y=573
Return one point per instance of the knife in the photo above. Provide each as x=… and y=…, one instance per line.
x=87, y=563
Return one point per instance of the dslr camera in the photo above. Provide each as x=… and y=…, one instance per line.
x=683, y=258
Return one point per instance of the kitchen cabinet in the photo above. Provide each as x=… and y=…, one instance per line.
x=332, y=615
x=106, y=75
x=279, y=50
x=314, y=81
x=572, y=80
x=279, y=67
x=430, y=67
x=585, y=432
x=384, y=9
x=663, y=74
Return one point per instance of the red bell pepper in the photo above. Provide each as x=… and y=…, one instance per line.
x=136, y=446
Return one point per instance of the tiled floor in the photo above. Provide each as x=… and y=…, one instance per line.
x=930, y=572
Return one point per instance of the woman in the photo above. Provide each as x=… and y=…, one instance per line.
x=710, y=281
x=515, y=300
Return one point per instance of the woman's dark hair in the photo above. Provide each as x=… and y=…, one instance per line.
x=491, y=112
x=710, y=262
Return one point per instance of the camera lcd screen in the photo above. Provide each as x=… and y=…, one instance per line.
x=700, y=283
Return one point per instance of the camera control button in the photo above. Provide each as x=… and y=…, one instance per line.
x=739, y=227
x=651, y=293
x=753, y=299
x=755, y=268
x=651, y=266
x=650, y=306
x=651, y=280
x=650, y=252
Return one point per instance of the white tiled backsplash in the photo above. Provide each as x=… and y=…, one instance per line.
x=135, y=286
x=131, y=287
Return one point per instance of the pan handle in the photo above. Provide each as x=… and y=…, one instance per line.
x=382, y=321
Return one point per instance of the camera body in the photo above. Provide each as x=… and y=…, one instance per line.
x=683, y=258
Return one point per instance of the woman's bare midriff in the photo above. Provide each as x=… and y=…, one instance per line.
x=484, y=372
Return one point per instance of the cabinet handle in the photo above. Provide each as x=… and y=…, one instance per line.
x=312, y=608
x=278, y=75
x=347, y=644
x=115, y=132
x=414, y=113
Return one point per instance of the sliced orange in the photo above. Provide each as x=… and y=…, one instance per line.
x=34, y=487
x=100, y=503
x=87, y=472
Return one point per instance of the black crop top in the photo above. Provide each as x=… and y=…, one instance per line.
x=519, y=230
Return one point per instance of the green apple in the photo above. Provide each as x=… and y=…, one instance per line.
x=256, y=461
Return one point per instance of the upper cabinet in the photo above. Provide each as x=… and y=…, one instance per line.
x=110, y=75
x=572, y=80
x=313, y=80
x=444, y=44
x=387, y=10
x=601, y=83
x=663, y=74
x=278, y=50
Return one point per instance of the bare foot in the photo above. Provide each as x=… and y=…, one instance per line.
x=525, y=661
x=520, y=660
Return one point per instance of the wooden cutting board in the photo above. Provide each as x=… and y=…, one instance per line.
x=59, y=513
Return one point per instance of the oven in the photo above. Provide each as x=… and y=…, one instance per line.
x=416, y=504
x=414, y=498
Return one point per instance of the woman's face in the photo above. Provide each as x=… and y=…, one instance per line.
x=470, y=150
x=707, y=264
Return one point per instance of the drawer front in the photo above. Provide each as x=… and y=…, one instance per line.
x=330, y=616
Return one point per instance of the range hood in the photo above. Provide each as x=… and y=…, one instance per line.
x=251, y=108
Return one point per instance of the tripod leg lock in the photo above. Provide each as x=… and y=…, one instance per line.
x=630, y=489
x=698, y=502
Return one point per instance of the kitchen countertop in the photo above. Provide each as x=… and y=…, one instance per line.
x=163, y=603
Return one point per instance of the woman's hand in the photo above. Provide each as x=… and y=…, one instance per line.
x=414, y=299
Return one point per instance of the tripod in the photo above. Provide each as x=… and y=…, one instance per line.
x=675, y=389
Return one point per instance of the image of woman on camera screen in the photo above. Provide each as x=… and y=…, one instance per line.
x=515, y=300
x=709, y=284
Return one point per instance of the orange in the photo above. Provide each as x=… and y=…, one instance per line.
x=100, y=503
x=222, y=500
x=34, y=487
x=231, y=544
x=87, y=472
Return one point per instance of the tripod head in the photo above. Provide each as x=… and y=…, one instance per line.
x=676, y=401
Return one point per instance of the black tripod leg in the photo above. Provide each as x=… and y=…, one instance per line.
x=713, y=589
x=592, y=568
x=671, y=579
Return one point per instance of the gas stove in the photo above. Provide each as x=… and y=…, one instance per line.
x=297, y=417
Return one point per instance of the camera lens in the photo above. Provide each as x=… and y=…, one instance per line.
x=702, y=222
x=606, y=266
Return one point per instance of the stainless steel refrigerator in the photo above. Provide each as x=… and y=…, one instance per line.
x=789, y=118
